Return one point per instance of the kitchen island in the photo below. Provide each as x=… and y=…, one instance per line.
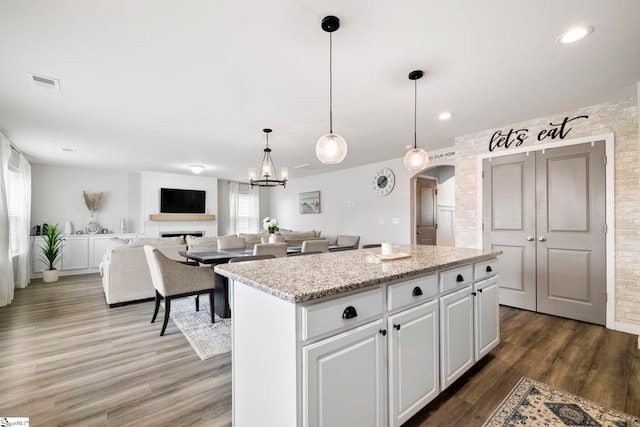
x=335, y=339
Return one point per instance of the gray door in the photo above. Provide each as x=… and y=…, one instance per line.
x=571, y=232
x=510, y=225
x=546, y=212
x=426, y=211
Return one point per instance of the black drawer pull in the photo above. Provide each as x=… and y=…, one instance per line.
x=383, y=332
x=479, y=290
x=397, y=327
x=349, y=312
x=489, y=269
x=459, y=278
x=416, y=291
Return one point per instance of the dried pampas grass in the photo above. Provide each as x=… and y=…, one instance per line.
x=92, y=200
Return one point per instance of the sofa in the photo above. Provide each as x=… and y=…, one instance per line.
x=124, y=270
x=125, y=274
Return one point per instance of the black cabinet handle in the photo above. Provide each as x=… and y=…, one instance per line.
x=479, y=290
x=416, y=291
x=473, y=293
x=349, y=312
x=383, y=332
x=459, y=278
x=489, y=269
x=397, y=327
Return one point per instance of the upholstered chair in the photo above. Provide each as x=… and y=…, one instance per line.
x=173, y=279
x=344, y=240
x=315, y=245
x=231, y=243
x=279, y=249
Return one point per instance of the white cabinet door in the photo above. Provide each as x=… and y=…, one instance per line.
x=456, y=335
x=413, y=361
x=98, y=249
x=487, y=316
x=344, y=379
x=75, y=253
x=37, y=266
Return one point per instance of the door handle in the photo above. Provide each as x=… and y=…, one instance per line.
x=530, y=238
x=542, y=238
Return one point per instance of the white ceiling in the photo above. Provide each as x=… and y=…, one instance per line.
x=158, y=84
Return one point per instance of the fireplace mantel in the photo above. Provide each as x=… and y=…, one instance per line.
x=182, y=217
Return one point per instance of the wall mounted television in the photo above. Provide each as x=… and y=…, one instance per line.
x=174, y=200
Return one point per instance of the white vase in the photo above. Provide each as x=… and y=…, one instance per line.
x=68, y=228
x=49, y=276
x=273, y=238
x=123, y=226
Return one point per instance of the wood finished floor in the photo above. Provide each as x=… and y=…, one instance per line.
x=67, y=359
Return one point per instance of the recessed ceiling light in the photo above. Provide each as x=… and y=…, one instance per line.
x=196, y=168
x=575, y=34
x=445, y=116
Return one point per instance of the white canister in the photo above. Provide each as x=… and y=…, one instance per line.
x=123, y=226
x=68, y=228
x=386, y=248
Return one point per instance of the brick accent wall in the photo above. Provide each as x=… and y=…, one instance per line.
x=621, y=118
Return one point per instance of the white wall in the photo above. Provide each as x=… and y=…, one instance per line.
x=150, y=184
x=57, y=197
x=371, y=215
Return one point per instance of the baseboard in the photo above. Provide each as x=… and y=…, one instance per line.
x=628, y=328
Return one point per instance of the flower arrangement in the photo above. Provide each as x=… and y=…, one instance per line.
x=93, y=201
x=271, y=225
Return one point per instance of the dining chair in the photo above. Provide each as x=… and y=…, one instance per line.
x=231, y=243
x=172, y=279
x=315, y=245
x=279, y=249
x=344, y=240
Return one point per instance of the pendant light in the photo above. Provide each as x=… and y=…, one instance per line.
x=416, y=159
x=331, y=148
x=268, y=176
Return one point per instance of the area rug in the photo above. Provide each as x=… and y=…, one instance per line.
x=207, y=339
x=531, y=403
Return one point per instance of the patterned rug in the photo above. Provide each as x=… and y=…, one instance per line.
x=207, y=339
x=531, y=403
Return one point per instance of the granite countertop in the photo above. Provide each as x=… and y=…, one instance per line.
x=304, y=278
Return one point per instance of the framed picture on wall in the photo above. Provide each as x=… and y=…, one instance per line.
x=310, y=202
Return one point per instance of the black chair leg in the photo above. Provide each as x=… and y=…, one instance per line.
x=155, y=312
x=198, y=302
x=213, y=315
x=167, y=309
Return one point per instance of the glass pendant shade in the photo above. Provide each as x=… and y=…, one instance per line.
x=416, y=159
x=331, y=148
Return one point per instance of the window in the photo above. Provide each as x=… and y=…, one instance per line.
x=246, y=205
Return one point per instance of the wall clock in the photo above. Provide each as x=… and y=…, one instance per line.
x=383, y=181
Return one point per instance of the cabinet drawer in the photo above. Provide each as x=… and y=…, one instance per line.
x=412, y=292
x=451, y=279
x=349, y=311
x=484, y=269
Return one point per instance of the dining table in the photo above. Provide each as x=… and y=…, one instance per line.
x=221, y=295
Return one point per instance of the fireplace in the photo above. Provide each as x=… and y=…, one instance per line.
x=181, y=233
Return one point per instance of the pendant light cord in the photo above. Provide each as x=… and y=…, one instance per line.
x=415, y=114
x=330, y=83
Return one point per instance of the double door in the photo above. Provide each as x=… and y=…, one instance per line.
x=546, y=211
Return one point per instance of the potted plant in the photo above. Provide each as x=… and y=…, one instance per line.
x=51, y=252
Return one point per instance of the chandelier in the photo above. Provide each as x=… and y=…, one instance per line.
x=268, y=176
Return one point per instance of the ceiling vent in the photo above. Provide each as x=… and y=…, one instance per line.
x=46, y=83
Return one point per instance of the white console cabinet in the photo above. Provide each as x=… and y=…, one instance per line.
x=81, y=253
